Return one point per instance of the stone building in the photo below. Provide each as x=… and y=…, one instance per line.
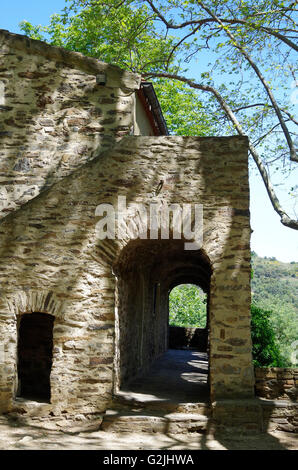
x=77, y=133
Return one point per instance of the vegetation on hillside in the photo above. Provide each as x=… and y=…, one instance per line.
x=275, y=288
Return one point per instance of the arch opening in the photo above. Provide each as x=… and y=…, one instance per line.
x=147, y=271
x=188, y=314
x=35, y=355
x=188, y=306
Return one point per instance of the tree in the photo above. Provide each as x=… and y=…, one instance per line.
x=265, y=350
x=245, y=87
x=187, y=306
x=183, y=109
x=275, y=289
x=122, y=36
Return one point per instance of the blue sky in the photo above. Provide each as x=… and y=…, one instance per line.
x=269, y=237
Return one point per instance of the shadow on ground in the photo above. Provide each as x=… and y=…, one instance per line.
x=177, y=381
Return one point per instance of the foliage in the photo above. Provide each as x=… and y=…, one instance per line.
x=275, y=288
x=119, y=36
x=183, y=110
x=245, y=88
x=274, y=310
x=265, y=350
x=123, y=37
x=187, y=306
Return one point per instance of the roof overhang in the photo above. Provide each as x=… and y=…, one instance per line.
x=149, y=100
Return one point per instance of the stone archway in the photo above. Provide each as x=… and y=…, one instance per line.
x=26, y=304
x=146, y=271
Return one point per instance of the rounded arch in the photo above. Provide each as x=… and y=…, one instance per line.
x=31, y=301
x=192, y=274
x=146, y=270
x=15, y=306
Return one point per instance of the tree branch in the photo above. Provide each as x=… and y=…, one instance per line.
x=269, y=106
x=293, y=155
x=285, y=219
x=257, y=142
x=199, y=23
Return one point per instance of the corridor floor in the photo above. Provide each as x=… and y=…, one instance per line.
x=178, y=376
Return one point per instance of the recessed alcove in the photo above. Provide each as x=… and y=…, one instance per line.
x=35, y=349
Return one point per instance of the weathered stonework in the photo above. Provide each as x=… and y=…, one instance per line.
x=276, y=383
x=65, y=151
x=255, y=415
x=58, y=110
x=194, y=338
x=52, y=262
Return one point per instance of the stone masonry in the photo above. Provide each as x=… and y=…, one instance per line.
x=52, y=262
x=64, y=151
x=277, y=383
x=59, y=109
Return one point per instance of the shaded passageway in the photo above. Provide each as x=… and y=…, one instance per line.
x=178, y=376
x=171, y=396
x=147, y=271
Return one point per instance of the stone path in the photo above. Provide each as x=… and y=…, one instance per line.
x=179, y=377
x=171, y=398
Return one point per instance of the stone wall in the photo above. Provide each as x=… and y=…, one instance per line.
x=58, y=110
x=255, y=415
x=142, y=330
x=51, y=261
x=195, y=338
x=277, y=383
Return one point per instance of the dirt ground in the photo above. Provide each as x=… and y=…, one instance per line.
x=35, y=438
x=179, y=375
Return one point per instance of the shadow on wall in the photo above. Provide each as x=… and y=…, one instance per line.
x=55, y=115
x=50, y=244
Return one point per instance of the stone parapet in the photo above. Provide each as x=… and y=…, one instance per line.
x=277, y=383
x=115, y=76
x=194, y=338
x=255, y=415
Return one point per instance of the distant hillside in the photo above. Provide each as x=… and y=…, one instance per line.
x=275, y=288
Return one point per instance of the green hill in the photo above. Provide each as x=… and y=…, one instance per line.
x=275, y=288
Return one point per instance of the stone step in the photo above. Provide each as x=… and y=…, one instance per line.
x=173, y=423
x=124, y=401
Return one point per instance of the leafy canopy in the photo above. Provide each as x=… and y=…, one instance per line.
x=123, y=36
x=246, y=84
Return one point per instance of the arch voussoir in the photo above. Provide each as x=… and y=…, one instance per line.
x=30, y=301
